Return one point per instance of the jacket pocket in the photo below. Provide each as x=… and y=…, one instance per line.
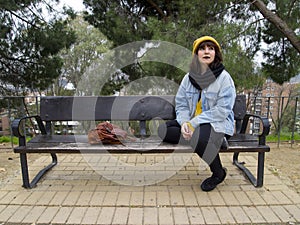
x=210, y=99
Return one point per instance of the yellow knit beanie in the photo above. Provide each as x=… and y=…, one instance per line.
x=198, y=41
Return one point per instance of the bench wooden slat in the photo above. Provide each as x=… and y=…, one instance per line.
x=40, y=139
x=70, y=108
x=79, y=144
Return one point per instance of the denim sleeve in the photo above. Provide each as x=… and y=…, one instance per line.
x=182, y=103
x=217, y=105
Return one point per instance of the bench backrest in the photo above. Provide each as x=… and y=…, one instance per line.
x=143, y=108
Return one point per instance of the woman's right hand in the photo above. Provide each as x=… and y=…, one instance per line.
x=186, y=131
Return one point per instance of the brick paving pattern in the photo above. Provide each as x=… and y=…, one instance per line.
x=75, y=192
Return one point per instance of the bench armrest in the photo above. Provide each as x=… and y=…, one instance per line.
x=17, y=128
x=265, y=128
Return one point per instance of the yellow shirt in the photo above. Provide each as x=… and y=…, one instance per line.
x=198, y=111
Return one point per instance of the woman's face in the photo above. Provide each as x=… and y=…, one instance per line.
x=206, y=54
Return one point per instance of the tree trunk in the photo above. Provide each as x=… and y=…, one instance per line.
x=278, y=22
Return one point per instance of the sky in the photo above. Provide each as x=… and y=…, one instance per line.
x=77, y=5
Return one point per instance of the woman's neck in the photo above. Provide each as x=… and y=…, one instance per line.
x=204, y=68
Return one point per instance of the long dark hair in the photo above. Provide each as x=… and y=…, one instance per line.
x=195, y=64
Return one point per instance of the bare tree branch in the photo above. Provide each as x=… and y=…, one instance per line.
x=236, y=35
x=278, y=22
x=21, y=18
x=157, y=8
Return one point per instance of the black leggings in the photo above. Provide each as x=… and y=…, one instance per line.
x=205, y=142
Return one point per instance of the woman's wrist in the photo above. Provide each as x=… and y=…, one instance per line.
x=190, y=126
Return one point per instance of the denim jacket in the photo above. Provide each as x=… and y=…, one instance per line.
x=217, y=103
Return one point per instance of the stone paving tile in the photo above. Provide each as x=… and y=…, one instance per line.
x=84, y=198
x=7, y=212
x=136, y=198
x=135, y=216
x=242, y=197
x=3, y=194
x=20, y=198
x=121, y=215
x=224, y=215
x=20, y=214
x=71, y=196
x=9, y=196
x=34, y=214
x=268, y=214
x=2, y=207
x=163, y=198
x=62, y=215
x=229, y=198
x=176, y=198
x=150, y=215
x=180, y=216
x=91, y=215
x=46, y=198
x=76, y=215
x=195, y=215
x=292, y=195
x=150, y=199
x=281, y=197
x=34, y=198
x=97, y=198
x=123, y=199
x=239, y=215
x=269, y=198
x=216, y=198
x=110, y=198
x=210, y=215
x=165, y=216
x=48, y=215
x=255, y=197
x=189, y=198
x=106, y=215
x=283, y=214
x=203, y=199
x=294, y=210
x=58, y=198
x=254, y=215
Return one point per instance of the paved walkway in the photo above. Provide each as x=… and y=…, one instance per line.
x=75, y=192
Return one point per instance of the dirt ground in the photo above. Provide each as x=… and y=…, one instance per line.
x=10, y=163
x=284, y=162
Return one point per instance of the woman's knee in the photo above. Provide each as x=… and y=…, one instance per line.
x=169, y=131
x=162, y=130
x=202, y=138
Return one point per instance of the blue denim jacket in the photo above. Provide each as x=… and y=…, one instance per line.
x=217, y=103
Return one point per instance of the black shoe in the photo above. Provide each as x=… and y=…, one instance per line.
x=211, y=183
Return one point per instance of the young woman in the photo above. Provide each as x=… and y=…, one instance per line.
x=204, y=108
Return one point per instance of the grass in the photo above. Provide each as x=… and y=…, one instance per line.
x=6, y=139
x=284, y=136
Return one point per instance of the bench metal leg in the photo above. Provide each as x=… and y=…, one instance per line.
x=35, y=180
x=257, y=182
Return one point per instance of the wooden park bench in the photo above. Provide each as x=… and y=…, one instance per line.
x=127, y=108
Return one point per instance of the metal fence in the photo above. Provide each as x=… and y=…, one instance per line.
x=283, y=113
